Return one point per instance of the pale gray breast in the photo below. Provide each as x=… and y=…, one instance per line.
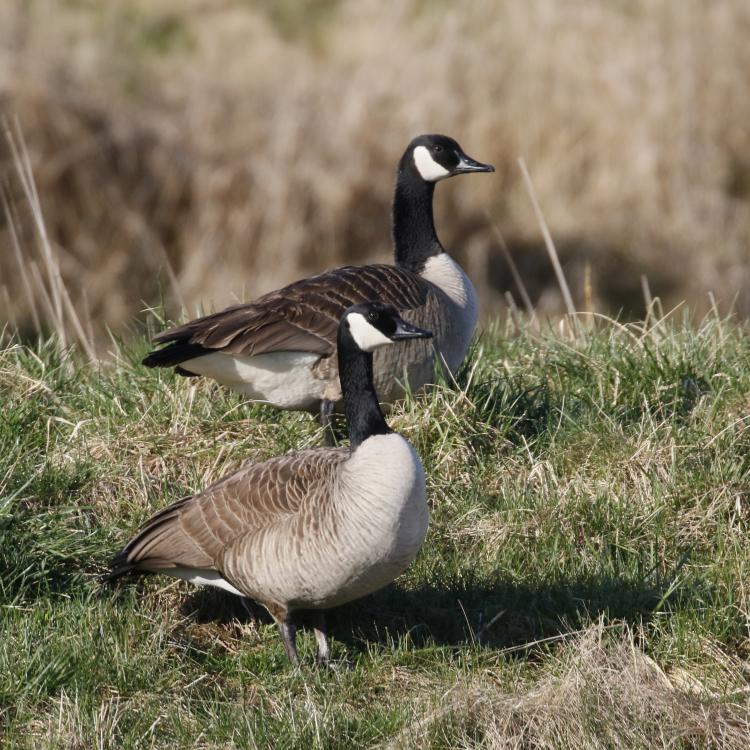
x=452, y=330
x=353, y=536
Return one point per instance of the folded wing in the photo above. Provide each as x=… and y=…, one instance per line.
x=194, y=531
x=303, y=316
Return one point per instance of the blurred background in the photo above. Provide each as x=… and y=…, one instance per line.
x=190, y=153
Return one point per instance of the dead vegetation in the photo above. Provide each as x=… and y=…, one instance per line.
x=197, y=152
x=584, y=583
x=599, y=691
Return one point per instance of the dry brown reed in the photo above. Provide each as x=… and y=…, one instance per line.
x=202, y=152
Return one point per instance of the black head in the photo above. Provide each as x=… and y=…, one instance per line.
x=376, y=324
x=436, y=157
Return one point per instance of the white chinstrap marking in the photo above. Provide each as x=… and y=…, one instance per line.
x=427, y=167
x=366, y=336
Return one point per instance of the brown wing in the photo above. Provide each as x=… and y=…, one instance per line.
x=194, y=531
x=303, y=316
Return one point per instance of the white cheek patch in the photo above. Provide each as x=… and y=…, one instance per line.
x=366, y=336
x=430, y=170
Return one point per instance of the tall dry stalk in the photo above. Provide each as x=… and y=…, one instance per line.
x=60, y=313
x=204, y=152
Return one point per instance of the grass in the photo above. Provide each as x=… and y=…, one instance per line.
x=585, y=581
x=235, y=146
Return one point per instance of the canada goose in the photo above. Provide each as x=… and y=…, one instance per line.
x=280, y=349
x=311, y=529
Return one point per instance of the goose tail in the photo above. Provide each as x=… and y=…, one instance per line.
x=149, y=550
x=175, y=354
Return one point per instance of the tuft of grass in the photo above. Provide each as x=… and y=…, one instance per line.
x=584, y=582
x=600, y=689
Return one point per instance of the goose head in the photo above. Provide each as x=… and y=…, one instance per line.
x=375, y=324
x=435, y=157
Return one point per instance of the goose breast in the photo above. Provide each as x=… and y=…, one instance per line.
x=345, y=543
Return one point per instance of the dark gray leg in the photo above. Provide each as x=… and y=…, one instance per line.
x=288, y=632
x=247, y=605
x=323, y=655
x=326, y=410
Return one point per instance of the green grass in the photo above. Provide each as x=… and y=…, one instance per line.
x=585, y=581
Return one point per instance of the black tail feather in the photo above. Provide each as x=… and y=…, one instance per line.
x=174, y=354
x=119, y=567
x=122, y=564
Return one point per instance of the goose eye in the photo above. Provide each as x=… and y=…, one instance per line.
x=437, y=148
x=372, y=316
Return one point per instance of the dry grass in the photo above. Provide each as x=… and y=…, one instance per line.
x=599, y=691
x=584, y=583
x=206, y=151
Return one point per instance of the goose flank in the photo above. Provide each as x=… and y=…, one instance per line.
x=312, y=529
x=281, y=348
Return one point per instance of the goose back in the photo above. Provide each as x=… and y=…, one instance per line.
x=193, y=531
x=310, y=529
x=301, y=317
x=282, y=347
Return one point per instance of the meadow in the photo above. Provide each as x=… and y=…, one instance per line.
x=192, y=153
x=585, y=581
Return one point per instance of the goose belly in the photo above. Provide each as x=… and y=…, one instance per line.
x=283, y=379
x=359, y=540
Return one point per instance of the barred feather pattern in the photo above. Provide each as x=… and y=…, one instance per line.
x=304, y=317
x=311, y=529
x=193, y=532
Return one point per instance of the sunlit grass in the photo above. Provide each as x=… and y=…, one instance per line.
x=584, y=581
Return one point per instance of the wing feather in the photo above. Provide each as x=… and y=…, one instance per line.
x=195, y=531
x=303, y=316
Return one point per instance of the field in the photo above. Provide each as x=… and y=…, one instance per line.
x=585, y=582
x=192, y=152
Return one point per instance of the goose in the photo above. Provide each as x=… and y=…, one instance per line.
x=312, y=529
x=280, y=349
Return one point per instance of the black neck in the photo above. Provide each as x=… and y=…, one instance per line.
x=363, y=413
x=414, y=236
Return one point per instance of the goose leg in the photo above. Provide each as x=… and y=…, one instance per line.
x=326, y=410
x=247, y=605
x=288, y=632
x=323, y=656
